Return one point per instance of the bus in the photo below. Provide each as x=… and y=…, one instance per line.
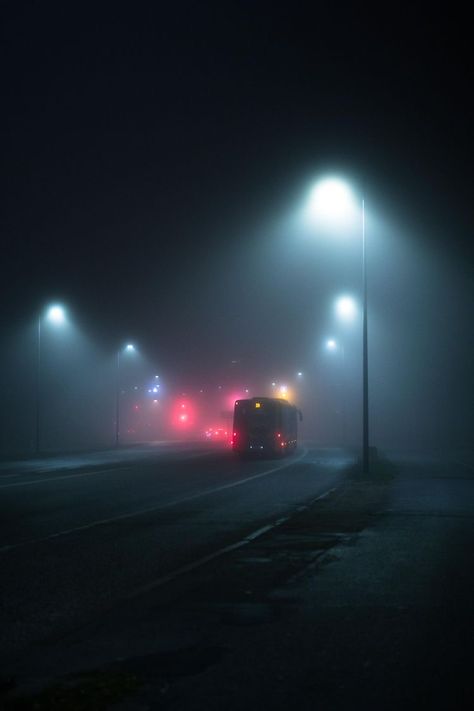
x=264, y=426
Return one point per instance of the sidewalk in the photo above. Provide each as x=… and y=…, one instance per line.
x=363, y=600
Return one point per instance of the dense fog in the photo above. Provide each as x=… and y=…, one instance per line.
x=260, y=318
x=156, y=173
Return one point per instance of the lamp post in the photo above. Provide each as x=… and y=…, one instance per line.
x=332, y=200
x=57, y=316
x=129, y=348
x=365, y=364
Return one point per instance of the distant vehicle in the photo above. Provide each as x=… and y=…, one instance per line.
x=265, y=426
x=217, y=434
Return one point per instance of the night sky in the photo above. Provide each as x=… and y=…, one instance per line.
x=151, y=153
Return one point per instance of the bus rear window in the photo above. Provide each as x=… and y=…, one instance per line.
x=256, y=416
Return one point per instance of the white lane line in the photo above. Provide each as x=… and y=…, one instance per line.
x=150, y=509
x=259, y=532
x=169, y=577
x=89, y=473
x=322, y=496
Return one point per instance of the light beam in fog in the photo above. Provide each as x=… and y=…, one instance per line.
x=333, y=200
x=129, y=348
x=55, y=315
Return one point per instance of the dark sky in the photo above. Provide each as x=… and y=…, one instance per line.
x=145, y=148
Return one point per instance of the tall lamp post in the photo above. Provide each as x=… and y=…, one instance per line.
x=55, y=315
x=332, y=200
x=365, y=357
x=129, y=348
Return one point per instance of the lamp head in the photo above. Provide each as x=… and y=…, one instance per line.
x=56, y=314
x=332, y=203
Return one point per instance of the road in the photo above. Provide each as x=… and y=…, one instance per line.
x=193, y=580
x=75, y=539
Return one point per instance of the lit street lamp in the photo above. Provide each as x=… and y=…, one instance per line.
x=333, y=345
x=346, y=308
x=55, y=315
x=333, y=200
x=129, y=348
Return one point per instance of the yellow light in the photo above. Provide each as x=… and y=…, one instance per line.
x=257, y=405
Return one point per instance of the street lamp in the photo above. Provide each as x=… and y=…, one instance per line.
x=335, y=347
x=55, y=315
x=331, y=203
x=129, y=348
x=333, y=200
x=346, y=308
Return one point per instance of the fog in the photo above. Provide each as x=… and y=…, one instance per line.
x=156, y=173
x=254, y=320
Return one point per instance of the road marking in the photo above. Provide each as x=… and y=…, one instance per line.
x=169, y=577
x=150, y=509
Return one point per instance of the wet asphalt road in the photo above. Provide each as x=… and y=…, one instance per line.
x=81, y=533
x=187, y=580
